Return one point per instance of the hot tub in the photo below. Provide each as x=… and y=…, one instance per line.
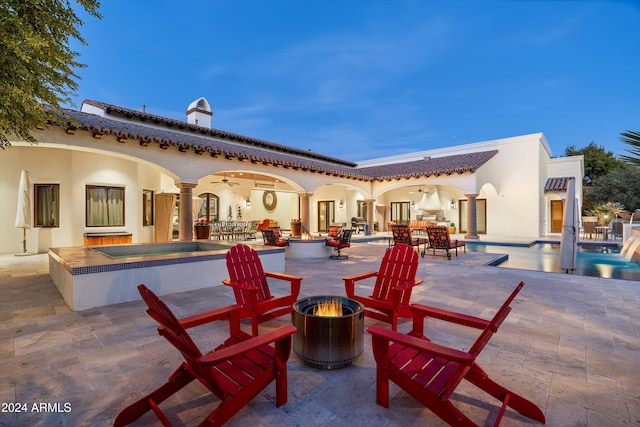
x=94, y=277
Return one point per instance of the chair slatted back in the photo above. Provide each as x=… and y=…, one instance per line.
x=171, y=329
x=244, y=266
x=401, y=234
x=170, y=326
x=495, y=323
x=345, y=237
x=399, y=265
x=270, y=237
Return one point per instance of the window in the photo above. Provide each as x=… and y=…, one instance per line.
x=47, y=205
x=147, y=207
x=105, y=206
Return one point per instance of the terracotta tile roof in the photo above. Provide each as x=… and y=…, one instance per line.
x=143, y=116
x=447, y=165
x=555, y=185
x=192, y=138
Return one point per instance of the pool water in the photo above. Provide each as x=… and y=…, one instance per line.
x=155, y=249
x=592, y=261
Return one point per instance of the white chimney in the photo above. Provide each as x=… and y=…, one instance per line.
x=199, y=113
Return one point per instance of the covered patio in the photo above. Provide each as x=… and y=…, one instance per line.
x=571, y=345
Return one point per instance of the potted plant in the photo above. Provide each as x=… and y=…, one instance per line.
x=202, y=228
x=452, y=228
x=296, y=227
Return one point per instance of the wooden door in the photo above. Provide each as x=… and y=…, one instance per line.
x=557, y=207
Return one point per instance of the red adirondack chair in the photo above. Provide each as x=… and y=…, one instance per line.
x=235, y=371
x=431, y=372
x=392, y=290
x=251, y=289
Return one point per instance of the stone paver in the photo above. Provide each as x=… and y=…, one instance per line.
x=571, y=344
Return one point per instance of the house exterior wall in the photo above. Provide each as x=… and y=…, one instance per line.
x=512, y=182
x=72, y=170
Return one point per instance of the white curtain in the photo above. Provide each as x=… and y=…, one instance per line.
x=196, y=205
x=105, y=206
x=47, y=206
x=164, y=217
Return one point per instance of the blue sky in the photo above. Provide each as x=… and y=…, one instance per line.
x=359, y=79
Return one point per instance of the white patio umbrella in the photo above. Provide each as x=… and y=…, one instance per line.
x=23, y=213
x=569, y=240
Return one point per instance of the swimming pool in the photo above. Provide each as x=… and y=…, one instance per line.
x=595, y=261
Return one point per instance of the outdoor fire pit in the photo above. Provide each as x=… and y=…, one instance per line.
x=330, y=331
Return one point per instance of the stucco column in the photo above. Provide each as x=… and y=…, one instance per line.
x=370, y=214
x=304, y=211
x=472, y=225
x=185, y=211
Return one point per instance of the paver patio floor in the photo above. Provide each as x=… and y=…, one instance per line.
x=571, y=345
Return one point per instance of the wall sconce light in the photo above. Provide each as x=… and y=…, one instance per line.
x=247, y=203
x=340, y=204
x=452, y=205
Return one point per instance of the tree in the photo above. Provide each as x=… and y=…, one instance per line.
x=633, y=139
x=597, y=161
x=37, y=74
x=620, y=185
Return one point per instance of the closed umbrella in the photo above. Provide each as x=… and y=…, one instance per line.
x=23, y=213
x=569, y=240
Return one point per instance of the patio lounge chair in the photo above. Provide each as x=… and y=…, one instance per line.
x=589, y=228
x=402, y=234
x=343, y=241
x=395, y=280
x=439, y=239
x=235, y=371
x=251, y=290
x=270, y=238
x=431, y=373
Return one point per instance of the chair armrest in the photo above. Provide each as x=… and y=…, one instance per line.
x=420, y=344
x=243, y=347
x=294, y=281
x=282, y=276
x=207, y=317
x=408, y=285
x=448, y=316
x=360, y=276
x=350, y=281
x=242, y=286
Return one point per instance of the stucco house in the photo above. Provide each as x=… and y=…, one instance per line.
x=124, y=170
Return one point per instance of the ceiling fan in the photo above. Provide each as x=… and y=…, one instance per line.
x=420, y=190
x=226, y=181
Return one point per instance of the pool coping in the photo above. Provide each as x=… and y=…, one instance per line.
x=80, y=260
